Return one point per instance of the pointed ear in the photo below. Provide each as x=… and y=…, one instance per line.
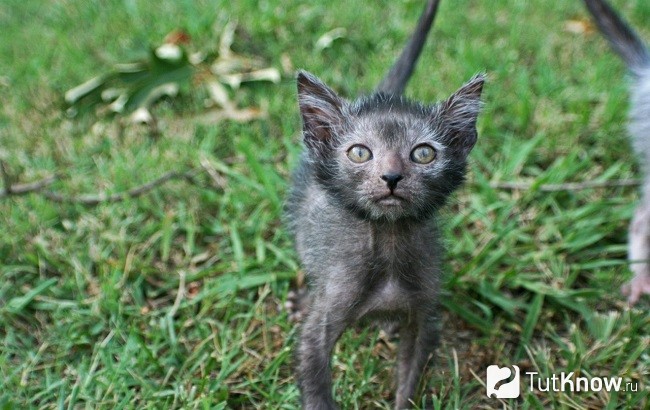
x=460, y=113
x=320, y=108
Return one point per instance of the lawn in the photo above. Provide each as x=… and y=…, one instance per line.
x=174, y=298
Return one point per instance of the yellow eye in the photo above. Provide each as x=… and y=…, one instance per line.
x=359, y=154
x=423, y=154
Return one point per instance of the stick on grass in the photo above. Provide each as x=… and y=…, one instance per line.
x=90, y=199
x=569, y=186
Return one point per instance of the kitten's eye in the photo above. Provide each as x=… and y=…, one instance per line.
x=359, y=154
x=423, y=154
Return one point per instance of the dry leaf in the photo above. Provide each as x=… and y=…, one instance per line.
x=227, y=38
x=231, y=113
x=128, y=87
x=266, y=74
x=287, y=65
x=218, y=93
x=72, y=95
x=193, y=289
x=234, y=69
x=328, y=38
x=170, y=52
x=141, y=116
x=579, y=26
x=177, y=37
x=133, y=88
x=164, y=90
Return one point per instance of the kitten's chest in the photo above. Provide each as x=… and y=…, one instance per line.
x=395, y=248
x=402, y=264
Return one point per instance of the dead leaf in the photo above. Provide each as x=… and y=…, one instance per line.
x=266, y=74
x=218, y=93
x=170, y=52
x=231, y=113
x=177, y=37
x=193, y=289
x=287, y=65
x=128, y=87
x=73, y=95
x=141, y=116
x=300, y=279
x=579, y=26
x=164, y=90
x=328, y=38
x=132, y=88
x=227, y=38
x=234, y=69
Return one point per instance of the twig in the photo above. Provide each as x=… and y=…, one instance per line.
x=569, y=186
x=5, y=177
x=179, y=294
x=96, y=199
x=90, y=199
x=23, y=189
x=217, y=179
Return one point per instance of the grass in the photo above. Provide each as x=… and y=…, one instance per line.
x=174, y=299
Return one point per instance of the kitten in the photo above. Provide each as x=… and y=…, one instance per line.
x=362, y=211
x=635, y=54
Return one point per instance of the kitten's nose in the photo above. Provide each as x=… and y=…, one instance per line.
x=392, y=180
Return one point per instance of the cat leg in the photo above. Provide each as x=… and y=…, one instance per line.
x=321, y=329
x=639, y=252
x=417, y=340
x=405, y=354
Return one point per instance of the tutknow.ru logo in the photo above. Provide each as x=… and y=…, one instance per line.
x=504, y=383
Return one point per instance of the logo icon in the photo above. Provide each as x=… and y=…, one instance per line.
x=501, y=383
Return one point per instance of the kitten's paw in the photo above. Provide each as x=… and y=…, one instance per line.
x=389, y=331
x=297, y=304
x=638, y=286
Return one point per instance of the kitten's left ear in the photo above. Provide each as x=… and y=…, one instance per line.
x=460, y=113
x=320, y=108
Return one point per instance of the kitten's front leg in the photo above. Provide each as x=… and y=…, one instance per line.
x=417, y=341
x=406, y=350
x=319, y=333
x=639, y=252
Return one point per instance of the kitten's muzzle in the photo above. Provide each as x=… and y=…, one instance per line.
x=390, y=199
x=392, y=179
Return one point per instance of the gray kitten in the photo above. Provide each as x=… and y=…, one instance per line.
x=635, y=54
x=362, y=210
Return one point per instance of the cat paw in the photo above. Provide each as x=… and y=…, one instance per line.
x=296, y=304
x=638, y=286
x=389, y=331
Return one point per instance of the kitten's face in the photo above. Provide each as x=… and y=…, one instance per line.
x=390, y=168
x=386, y=158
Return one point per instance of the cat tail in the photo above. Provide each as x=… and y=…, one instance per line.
x=620, y=35
x=399, y=74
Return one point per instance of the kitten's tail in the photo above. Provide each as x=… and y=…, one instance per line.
x=620, y=35
x=399, y=74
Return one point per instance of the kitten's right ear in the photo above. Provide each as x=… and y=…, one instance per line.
x=320, y=108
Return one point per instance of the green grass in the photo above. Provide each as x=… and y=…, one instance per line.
x=174, y=299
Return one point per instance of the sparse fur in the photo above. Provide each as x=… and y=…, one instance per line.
x=634, y=52
x=366, y=232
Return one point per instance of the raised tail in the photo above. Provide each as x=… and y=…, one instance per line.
x=399, y=74
x=620, y=35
